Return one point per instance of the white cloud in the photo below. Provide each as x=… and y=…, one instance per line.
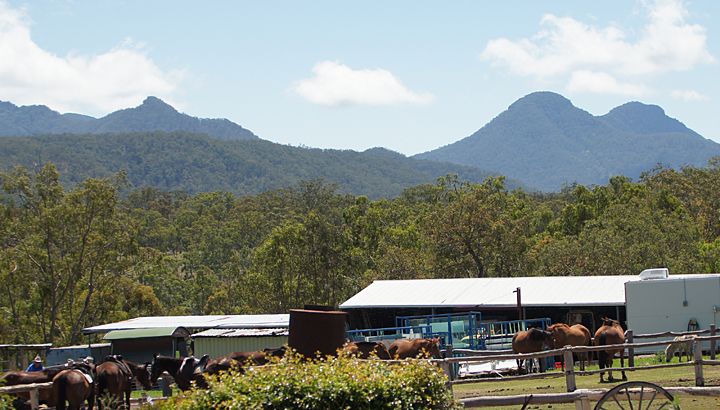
x=336, y=84
x=603, y=83
x=95, y=85
x=688, y=95
x=570, y=50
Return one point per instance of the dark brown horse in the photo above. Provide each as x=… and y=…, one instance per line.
x=611, y=333
x=366, y=350
x=531, y=341
x=74, y=385
x=405, y=348
x=114, y=377
x=15, y=377
x=576, y=335
x=238, y=360
x=185, y=370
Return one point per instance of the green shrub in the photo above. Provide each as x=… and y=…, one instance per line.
x=332, y=383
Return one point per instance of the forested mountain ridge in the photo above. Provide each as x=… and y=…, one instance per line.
x=545, y=141
x=198, y=163
x=152, y=115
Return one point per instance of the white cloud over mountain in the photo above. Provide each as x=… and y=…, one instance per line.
x=97, y=84
x=335, y=84
x=602, y=59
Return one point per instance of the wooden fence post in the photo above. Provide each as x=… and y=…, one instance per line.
x=34, y=399
x=451, y=367
x=631, y=351
x=569, y=370
x=167, y=391
x=712, y=342
x=697, y=354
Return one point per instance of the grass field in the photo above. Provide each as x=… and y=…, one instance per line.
x=681, y=376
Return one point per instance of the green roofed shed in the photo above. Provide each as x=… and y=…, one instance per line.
x=144, y=333
x=139, y=345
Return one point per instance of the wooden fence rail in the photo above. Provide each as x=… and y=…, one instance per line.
x=33, y=388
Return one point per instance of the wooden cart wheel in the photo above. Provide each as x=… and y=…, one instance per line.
x=636, y=396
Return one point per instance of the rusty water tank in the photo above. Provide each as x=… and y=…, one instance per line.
x=313, y=331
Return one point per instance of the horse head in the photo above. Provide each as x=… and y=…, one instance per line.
x=155, y=370
x=432, y=347
x=143, y=376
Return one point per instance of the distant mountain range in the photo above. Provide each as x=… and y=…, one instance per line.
x=152, y=115
x=542, y=140
x=197, y=163
x=545, y=141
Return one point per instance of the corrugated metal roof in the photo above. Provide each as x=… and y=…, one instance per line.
x=242, y=332
x=493, y=292
x=143, y=333
x=195, y=322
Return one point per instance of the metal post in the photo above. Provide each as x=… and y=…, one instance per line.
x=631, y=350
x=167, y=391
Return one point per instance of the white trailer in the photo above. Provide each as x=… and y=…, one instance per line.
x=661, y=302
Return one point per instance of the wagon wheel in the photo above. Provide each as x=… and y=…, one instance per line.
x=645, y=396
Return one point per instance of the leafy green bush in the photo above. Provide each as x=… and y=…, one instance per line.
x=334, y=383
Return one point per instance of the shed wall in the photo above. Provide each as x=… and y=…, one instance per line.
x=222, y=346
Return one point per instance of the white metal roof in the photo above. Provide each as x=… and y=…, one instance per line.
x=242, y=332
x=493, y=292
x=196, y=322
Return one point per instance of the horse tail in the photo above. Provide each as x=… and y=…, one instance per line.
x=101, y=381
x=60, y=389
x=602, y=354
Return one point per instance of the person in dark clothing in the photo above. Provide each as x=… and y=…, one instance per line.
x=36, y=365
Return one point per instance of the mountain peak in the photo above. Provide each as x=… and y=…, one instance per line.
x=644, y=119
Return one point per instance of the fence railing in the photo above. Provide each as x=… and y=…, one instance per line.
x=583, y=397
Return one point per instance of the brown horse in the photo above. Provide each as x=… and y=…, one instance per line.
x=576, y=335
x=531, y=341
x=74, y=386
x=404, y=348
x=184, y=370
x=611, y=333
x=366, y=350
x=114, y=377
x=237, y=360
x=15, y=377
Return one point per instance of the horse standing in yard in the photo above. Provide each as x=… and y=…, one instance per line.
x=15, y=377
x=531, y=341
x=114, y=377
x=75, y=385
x=184, y=370
x=685, y=348
x=611, y=333
x=366, y=350
x=576, y=335
x=404, y=348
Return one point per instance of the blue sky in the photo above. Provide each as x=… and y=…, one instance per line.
x=408, y=76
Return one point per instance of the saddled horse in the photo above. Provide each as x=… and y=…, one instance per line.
x=405, y=348
x=366, y=350
x=15, y=377
x=184, y=370
x=611, y=333
x=576, y=335
x=114, y=377
x=531, y=341
x=74, y=385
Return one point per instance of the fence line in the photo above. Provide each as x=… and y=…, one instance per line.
x=580, y=397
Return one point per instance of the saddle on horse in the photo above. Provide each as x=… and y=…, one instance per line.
x=117, y=359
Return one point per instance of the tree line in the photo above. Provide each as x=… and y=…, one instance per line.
x=104, y=251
